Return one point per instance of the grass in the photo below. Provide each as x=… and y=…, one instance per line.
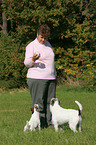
x=15, y=110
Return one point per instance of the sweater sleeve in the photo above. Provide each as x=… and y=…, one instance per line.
x=28, y=56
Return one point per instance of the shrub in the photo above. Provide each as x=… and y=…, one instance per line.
x=12, y=68
x=76, y=67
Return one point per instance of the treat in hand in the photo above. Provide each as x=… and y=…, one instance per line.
x=36, y=56
x=37, y=53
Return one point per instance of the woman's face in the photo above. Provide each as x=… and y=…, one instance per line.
x=41, y=39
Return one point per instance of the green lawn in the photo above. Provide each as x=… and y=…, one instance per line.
x=15, y=110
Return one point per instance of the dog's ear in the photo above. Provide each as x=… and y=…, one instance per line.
x=59, y=102
x=32, y=110
x=37, y=108
x=52, y=102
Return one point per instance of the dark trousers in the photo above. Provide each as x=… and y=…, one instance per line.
x=42, y=91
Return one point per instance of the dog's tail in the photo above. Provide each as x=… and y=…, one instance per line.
x=80, y=107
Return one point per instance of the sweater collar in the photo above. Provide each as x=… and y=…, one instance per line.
x=39, y=43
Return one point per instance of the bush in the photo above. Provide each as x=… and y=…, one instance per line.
x=76, y=67
x=12, y=68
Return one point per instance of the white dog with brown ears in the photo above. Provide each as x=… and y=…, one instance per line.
x=34, y=121
x=61, y=115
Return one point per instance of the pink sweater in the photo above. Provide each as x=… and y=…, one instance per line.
x=43, y=68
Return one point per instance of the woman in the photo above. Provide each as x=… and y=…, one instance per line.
x=41, y=75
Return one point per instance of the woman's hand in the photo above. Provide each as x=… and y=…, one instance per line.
x=35, y=57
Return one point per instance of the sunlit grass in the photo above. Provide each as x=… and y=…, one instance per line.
x=15, y=110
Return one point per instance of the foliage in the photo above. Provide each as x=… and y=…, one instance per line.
x=78, y=63
x=73, y=38
x=73, y=71
x=12, y=69
x=57, y=14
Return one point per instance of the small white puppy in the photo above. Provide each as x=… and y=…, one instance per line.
x=34, y=121
x=61, y=115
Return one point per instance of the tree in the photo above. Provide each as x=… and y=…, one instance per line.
x=72, y=26
x=4, y=20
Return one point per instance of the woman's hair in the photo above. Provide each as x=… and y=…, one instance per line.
x=44, y=30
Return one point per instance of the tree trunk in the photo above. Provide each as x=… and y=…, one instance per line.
x=4, y=27
x=4, y=24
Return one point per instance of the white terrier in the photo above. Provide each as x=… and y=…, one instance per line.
x=61, y=116
x=34, y=121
